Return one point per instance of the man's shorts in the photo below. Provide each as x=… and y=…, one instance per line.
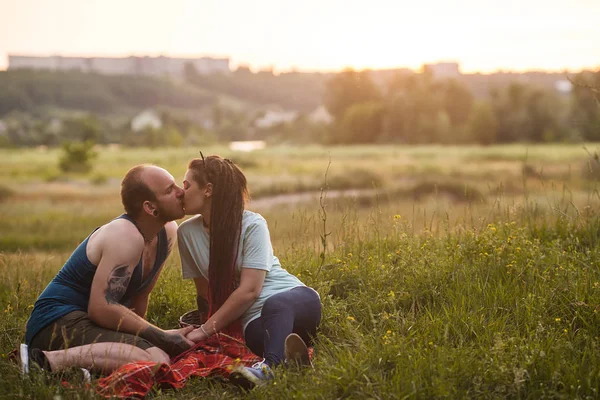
x=76, y=329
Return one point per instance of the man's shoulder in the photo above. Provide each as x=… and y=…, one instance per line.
x=123, y=231
x=117, y=238
x=121, y=225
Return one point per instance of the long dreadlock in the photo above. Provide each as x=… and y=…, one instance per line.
x=229, y=195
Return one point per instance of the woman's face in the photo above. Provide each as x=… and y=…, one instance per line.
x=194, y=197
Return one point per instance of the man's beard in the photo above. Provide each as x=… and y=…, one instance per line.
x=170, y=214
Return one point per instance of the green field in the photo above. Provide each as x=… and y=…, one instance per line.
x=450, y=272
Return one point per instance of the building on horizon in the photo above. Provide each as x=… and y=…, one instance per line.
x=154, y=66
x=443, y=70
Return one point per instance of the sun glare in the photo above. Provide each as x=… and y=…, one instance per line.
x=313, y=35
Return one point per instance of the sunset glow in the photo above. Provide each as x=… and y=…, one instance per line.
x=313, y=35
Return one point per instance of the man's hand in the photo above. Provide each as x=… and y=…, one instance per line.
x=173, y=342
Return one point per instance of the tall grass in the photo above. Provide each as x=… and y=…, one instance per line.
x=494, y=298
x=507, y=310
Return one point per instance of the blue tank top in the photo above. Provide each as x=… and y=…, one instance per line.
x=70, y=289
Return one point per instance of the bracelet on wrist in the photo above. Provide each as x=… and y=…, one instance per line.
x=204, y=331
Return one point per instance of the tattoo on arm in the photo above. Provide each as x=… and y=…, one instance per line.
x=117, y=283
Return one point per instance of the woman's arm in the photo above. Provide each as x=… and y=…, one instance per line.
x=237, y=303
x=257, y=261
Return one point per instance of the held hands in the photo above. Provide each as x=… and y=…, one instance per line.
x=198, y=334
x=181, y=334
x=180, y=331
x=178, y=340
x=173, y=342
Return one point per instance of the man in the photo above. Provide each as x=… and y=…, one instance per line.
x=91, y=315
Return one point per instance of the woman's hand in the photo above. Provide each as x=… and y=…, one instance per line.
x=197, y=335
x=180, y=331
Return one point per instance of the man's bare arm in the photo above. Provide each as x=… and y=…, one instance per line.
x=121, y=252
x=118, y=282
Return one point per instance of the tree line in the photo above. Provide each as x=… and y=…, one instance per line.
x=366, y=107
x=417, y=108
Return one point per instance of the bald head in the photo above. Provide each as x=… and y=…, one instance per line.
x=135, y=189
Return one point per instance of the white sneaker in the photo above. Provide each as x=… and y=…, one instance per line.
x=24, y=355
x=87, y=377
x=25, y=363
x=249, y=377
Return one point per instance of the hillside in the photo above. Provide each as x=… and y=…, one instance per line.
x=35, y=91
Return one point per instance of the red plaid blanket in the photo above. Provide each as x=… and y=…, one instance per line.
x=215, y=356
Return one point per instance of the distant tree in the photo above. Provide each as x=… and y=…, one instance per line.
x=483, y=125
x=217, y=115
x=548, y=115
x=585, y=111
x=13, y=99
x=361, y=123
x=232, y=130
x=457, y=101
x=82, y=129
x=401, y=102
x=420, y=109
x=200, y=137
x=348, y=88
x=77, y=156
x=433, y=128
x=508, y=106
x=297, y=91
x=173, y=137
x=525, y=113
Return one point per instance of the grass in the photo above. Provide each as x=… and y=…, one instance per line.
x=493, y=296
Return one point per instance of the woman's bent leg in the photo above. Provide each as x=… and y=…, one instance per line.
x=308, y=319
x=296, y=310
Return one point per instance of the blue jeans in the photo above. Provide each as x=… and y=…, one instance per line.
x=297, y=310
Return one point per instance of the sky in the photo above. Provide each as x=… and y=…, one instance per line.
x=314, y=35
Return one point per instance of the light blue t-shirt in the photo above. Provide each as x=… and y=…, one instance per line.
x=255, y=251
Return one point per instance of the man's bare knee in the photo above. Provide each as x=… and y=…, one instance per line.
x=157, y=355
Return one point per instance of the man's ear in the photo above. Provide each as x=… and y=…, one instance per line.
x=148, y=207
x=208, y=190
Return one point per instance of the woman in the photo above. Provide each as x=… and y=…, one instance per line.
x=227, y=251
